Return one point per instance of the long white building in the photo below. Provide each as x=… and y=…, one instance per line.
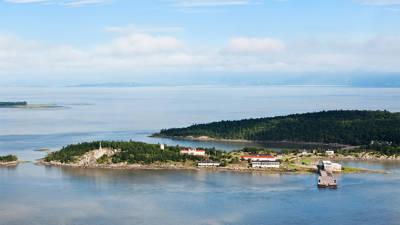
x=265, y=164
x=192, y=151
x=259, y=157
x=330, y=166
x=208, y=164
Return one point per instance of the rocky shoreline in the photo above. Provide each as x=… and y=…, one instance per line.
x=362, y=156
x=300, y=143
x=7, y=164
x=201, y=138
x=125, y=166
x=231, y=168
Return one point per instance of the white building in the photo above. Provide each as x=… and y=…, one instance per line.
x=330, y=152
x=265, y=164
x=192, y=151
x=208, y=164
x=162, y=147
x=330, y=166
x=259, y=158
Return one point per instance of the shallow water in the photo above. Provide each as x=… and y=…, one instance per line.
x=31, y=194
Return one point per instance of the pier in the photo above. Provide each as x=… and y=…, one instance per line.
x=326, y=178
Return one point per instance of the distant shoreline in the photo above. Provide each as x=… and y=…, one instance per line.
x=298, y=143
x=31, y=106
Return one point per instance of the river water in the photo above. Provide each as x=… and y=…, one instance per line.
x=31, y=194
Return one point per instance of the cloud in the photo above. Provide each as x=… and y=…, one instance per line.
x=255, y=45
x=379, y=2
x=131, y=28
x=148, y=52
x=82, y=2
x=208, y=6
x=197, y=3
x=70, y=3
x=24, y=1
x=393, y=9
x=140, y=43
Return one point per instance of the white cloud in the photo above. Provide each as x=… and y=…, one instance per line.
x=379, y=2
x=131, y=28
x=141, y=52
x=255, y=45
x=70, y=3
x=208, y=6
x=24, y=1
x=82, y=2
x=393, y=9
x=140, y=43
x=197, y=3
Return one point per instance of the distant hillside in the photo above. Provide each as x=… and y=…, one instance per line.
x=344, y=127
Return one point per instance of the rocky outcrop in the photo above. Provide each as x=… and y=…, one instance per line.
x=359, y=156
x=90, y=159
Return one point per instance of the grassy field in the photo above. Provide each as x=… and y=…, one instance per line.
x=357, y=170
x=306, y=162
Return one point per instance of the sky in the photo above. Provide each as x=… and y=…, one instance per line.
x=128, y=40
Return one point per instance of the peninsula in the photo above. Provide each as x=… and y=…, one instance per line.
x=138, y=155
x=365, y=130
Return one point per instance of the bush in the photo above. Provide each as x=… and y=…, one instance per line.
x=8, y=158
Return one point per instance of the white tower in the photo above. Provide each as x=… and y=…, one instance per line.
x=100, y=146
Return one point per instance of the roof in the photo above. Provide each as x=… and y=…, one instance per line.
x=258, y=156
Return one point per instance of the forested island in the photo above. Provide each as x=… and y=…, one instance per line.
x=369, y=130
x=138, y=155
x=8, y=160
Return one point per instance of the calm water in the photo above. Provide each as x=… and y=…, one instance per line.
x=32, y=194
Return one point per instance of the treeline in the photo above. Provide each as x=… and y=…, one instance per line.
x=383, y=148
x=131, y=152
x=351, y=127
x=8, y=158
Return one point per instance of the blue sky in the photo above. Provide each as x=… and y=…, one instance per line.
x=60, y=38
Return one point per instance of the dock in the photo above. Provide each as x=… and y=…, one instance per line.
x=326, y=179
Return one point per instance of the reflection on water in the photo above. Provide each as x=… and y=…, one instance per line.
x=9, y=168
x=53, y=195
x=40, y=195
